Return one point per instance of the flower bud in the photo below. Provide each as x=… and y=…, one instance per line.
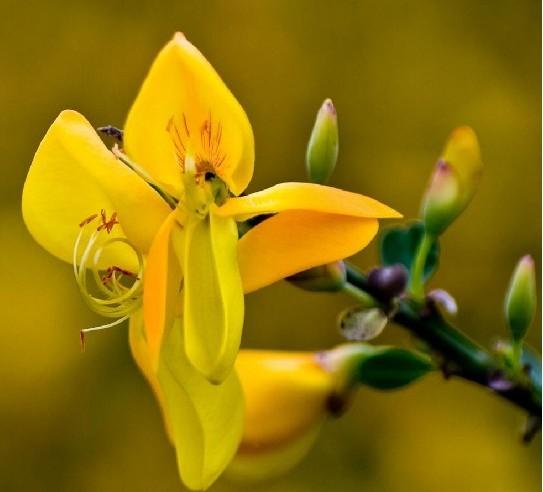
x=444, y=300
x=285, y=406
x=324, y=278
x=322, y=149
x=288, y=395
x=521, y=298
x=453, y=182
x=388, y=282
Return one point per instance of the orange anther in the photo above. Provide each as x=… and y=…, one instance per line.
x=107, y=224
x=88, y=220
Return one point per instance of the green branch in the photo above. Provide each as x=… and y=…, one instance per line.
x=460, y=356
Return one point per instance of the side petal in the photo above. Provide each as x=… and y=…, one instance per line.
x=204, y=421
x=296, y=240
x=182, y=87
x=213, y=296
x=305, y=196
x=73, y=176
x=161, y=283
x=141, y=353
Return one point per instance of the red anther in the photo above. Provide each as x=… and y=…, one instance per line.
x=115, y=269
x=82, y=340
x=107, y=224
x=88, y=220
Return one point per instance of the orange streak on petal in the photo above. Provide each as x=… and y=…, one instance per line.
x=155, y=289
x=296, y=240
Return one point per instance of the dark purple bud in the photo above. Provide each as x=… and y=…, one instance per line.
x=387, y=282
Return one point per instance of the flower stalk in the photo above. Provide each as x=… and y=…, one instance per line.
x=416, y=279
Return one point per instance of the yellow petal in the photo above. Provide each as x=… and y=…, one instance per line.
x=141, y=353
x=161, y=283
x=296, y=240
x=205, y=421
x=285, y=406
x=285, y=395
x=306, y=196
x=213, y=296
x=462, y=152
x=255, y=467
x=183, y=89
x=73, y=176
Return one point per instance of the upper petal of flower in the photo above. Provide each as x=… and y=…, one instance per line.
x=73, y=176
x=306, y=196
x=184, y=106
x=204, y=421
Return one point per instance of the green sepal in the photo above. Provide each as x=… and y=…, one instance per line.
x=400, y=244
x=392, y=368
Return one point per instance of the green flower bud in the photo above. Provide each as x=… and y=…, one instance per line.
x=453, y=182
x=324, y=278
x=322, y=149
x=521, y=298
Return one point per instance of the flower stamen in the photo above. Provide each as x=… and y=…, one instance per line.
x=210, y=158
x=104, y=292
x=107, y=225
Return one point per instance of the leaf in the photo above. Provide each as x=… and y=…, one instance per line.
x=392, y=368
x=400, y=244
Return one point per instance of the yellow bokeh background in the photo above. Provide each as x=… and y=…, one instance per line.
x=402, y=75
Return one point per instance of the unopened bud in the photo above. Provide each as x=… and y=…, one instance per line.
x=453, y=182
x=387, y=282
x=444, y=300
x=322, y=150
x=325, y=278
x=360, y=325
x=285, y=405
x=521, y=298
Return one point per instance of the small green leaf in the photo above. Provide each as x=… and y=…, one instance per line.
x=400, y=244
x=392, y=368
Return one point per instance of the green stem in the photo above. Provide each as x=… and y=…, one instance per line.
x=460, y=356
x=365, y=299
x=416, y=277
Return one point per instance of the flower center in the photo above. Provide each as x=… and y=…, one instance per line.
x=201, y=159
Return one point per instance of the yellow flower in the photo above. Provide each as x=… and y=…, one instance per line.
x=154, y=226
x=288, y=396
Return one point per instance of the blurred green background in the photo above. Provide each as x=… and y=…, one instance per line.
x=402, y=75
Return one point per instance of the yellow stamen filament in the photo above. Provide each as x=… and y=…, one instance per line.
x=105, y=293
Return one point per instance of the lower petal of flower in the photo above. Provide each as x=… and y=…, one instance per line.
x=296, y=240
x=204, y=421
